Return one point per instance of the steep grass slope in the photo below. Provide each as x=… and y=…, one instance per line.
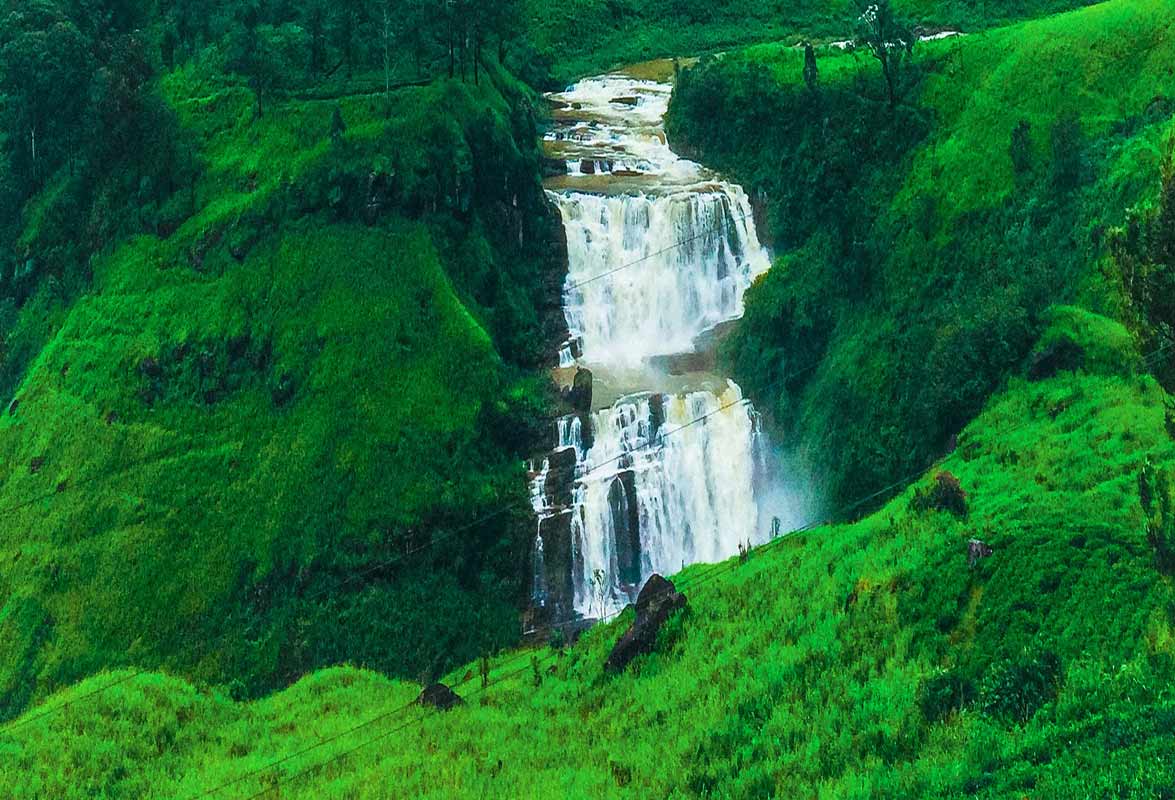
x=920, y=245
x=863, y=660
x=227, y=447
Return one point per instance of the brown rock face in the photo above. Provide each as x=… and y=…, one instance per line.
x=657, y=602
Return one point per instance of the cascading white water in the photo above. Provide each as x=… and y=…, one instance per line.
x=660, y=250
x=687, y=259
x=692, y=481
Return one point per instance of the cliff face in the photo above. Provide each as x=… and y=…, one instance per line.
x=258, y=444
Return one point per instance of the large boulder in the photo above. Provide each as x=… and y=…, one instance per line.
x=439, y=696
x=656, y=603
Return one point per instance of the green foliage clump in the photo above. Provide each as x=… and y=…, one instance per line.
x=1156, y=491
x=1016, y=690
x=944, y=494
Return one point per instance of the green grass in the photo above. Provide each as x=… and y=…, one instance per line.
x=805, y=671
x=237, y=419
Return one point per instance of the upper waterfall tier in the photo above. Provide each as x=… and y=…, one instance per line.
x=648, y=274
x=660, y=248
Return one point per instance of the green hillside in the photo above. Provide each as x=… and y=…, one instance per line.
x=220, y=454
x=920, y=245
x=861, y=660
x=570, y=38
x=274, y=337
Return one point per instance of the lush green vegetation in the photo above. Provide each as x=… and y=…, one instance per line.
x=863, y=660
x=266, y=376
x=234, y=404
x=570, y=38
x=920, y=245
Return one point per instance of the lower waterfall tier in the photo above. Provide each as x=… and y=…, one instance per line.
x=669, y=480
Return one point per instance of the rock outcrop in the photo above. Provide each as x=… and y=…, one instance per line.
x=439, y=696
x=657, y=602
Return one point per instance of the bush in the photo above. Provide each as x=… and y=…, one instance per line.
x=945, y=494
x=1155, y=489
x=1013, y=691
x=943, y=693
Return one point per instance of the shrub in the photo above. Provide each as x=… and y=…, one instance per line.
x=1155, y=496
x=943, y=693
x=1015, y=690
x=945, y=494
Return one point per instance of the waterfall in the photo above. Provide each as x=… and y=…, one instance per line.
x=680, y=467
x=660, y=251
x=649, y=273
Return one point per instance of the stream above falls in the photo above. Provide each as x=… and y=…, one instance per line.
x=666, y=464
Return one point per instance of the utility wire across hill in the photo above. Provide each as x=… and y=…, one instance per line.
x=1148, y=361
x=700, y=577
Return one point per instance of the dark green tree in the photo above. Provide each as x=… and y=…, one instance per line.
x=887, y=38
x=811, y=70
x=46, y=64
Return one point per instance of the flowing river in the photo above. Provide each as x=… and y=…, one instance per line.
x=667, y=465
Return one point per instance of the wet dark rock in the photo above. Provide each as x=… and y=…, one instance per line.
x=684, y=363
x=657, y=602
x=1063, y=355
x=559, y=564
x=587, y=166
x=561, y=477
x=440, y=696
x=553, y=167
x=627, y=100
x=626, y=522
x=657, y=412
x=579, y=396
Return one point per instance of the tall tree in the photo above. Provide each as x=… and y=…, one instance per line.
x=46, y=64
x=887, y=38
x=811, y=70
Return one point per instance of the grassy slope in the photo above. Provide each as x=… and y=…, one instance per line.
x=948, y=263
x=241, y=416
x=810, y=670
x=583, y=36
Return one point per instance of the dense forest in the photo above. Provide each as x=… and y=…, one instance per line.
x=282, y=292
